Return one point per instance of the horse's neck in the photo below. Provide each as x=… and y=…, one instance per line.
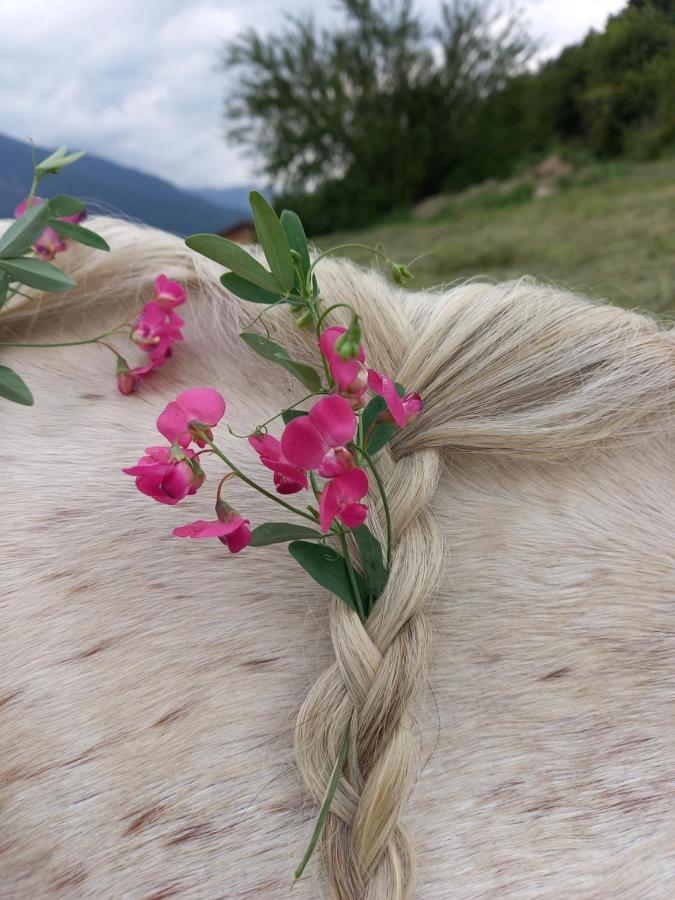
x=553, y=682
x=150, y=685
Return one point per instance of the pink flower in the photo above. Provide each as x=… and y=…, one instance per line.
x=127, y=380
x=49, y=244
x=288, y=479
x=350, y=376
x=412, y=406
x=156, y=330
x=385, y=387
x=76, y=218
x=192, y=411
x=318, y=440
x=339, y=498
x=165, y=475
x=168, y=293
x=50, y=241
x=230, y=528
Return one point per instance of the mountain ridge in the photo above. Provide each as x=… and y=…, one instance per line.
x=113, y=189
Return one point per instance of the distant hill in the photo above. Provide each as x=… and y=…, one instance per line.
x=114, y=190
x=232, y=198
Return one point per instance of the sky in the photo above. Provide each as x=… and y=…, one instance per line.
x=138, y=81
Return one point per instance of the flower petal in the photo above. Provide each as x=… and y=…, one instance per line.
x=302, y=444
x=202, y=404
x=353, y=514
x=353, y=485
x=334, y=418
x=173, y=424
x=384, y=386
x=171, y=293
x=329, y=504
x=240, y=537
x=266, y=445
x=345, y=372
x=202, y=529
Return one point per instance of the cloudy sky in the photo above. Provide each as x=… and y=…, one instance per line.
x=137, y=81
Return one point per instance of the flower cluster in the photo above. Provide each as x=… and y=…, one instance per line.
x=319, y=443
x=156, y=330
x=50, y=241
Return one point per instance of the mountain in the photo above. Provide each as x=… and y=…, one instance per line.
x=232, y=198
x=112, y=189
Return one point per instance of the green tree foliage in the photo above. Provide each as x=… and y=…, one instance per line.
x=356, y=121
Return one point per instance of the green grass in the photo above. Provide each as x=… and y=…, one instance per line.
x=609, y=232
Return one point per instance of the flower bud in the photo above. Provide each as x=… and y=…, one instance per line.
x=400, y=273
x=127, y=382
x=348, y=345
x=304, y=318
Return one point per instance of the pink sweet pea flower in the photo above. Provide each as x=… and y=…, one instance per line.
x=76, y=218
x=230, y=528
x=197, y=407
x=339, y=498
x=50, y=241
x=168, y=293
x=350, y=376
x=318, y=440
x=165, y=475
x=49, y=244
x=288, y=479
x=412, y=406
x=156, y=330
x=385, y=387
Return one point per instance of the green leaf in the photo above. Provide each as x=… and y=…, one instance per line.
x=296, y=236
x=233, y=257
x=24, y=232
x=64, y=205
x=328, y=568
x=247, y=291
x=273, y=240
x=288, y=415
x=53, y=158
x=4, y=286
x=280, y=532
x=370, y=554
x=270, y=350
x=36, y=273
x=14, y=388
x=383, y=433
x=78, y=233
x=58, y=160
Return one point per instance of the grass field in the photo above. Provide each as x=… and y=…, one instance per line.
x=608, y=232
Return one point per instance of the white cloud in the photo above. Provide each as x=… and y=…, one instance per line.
x=138, y=82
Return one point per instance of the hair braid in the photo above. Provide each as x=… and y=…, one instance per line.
x=379, y=668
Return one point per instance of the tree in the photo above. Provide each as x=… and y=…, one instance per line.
x=357, y=120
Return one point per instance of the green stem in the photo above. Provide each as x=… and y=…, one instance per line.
x=292, y=406
x=326, y=253
x=315, y=486
x=352, y=577
x=325, y=807
x=31, y=193
x=66, y=343
x=387, y=513
x=325, y=313
x=255, y=486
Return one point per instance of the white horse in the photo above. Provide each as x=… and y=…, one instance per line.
x=512, y=699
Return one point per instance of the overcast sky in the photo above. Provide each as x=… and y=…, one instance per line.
x=137, y=81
